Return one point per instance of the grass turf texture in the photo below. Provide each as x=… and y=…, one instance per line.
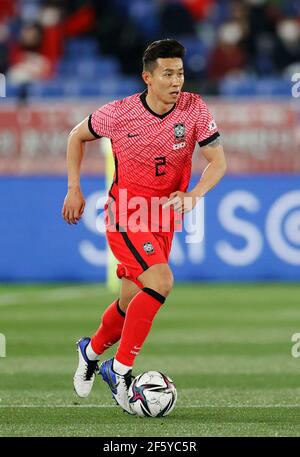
x=227, y=348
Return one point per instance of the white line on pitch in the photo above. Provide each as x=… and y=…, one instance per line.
x=178, y=407
x=49, y=295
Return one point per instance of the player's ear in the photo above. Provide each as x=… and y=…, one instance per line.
x=146, y=75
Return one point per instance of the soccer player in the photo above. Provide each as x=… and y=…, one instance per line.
x=153, y=137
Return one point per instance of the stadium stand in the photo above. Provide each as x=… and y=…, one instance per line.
x=77, y=44
x=65, y=51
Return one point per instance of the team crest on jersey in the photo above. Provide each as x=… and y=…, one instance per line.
x=179, y=131
x=148, y=247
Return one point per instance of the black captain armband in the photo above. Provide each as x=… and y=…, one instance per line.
x=213, y=141
x=91, y=128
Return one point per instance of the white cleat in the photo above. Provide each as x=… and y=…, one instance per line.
x=85, y=374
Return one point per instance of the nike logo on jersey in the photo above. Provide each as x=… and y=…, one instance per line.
x=132, y=135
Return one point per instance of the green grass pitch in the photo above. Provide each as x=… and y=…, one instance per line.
x=227, y=348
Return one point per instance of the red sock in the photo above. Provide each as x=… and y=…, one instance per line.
x=110, y=329
x=138, y=321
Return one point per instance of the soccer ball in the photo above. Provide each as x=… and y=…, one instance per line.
x=152, y=394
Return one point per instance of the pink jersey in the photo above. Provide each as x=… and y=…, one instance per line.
x=153, y=153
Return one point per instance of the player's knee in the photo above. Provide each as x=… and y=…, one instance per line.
x=128, y=291
x=124, y=305
x=163, y=285
x=124, y=302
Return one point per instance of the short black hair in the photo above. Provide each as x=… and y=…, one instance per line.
x=164, y=49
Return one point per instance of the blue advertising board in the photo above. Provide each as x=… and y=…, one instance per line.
x=251, y=227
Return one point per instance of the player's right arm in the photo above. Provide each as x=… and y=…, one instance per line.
x=97, y=125
x=74, y=202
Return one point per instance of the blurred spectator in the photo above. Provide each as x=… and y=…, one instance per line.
x=34, y=55
x=118, y=35
x=4, y=33
x=176, y=19
x=199, y=9
x=228, y=57
x=222, y=36
x=239, y=13
x=7, y=8
x=287, y=49
x=62, y=19
x=262, y=17
x=26, y=60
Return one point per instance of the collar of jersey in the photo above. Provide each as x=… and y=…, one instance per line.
x=147, y=107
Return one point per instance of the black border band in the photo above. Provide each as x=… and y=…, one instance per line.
x=208, y=140
x=119, y=309
x=91, y=128
x=147, y=107
x=132, y=248
x=154, y=294
x=116, y=169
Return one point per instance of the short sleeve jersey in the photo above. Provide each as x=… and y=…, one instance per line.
x=153, y=153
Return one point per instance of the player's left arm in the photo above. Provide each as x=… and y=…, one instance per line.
x=214, y=171
x=212, y=174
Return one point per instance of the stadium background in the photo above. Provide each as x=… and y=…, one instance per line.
x=61, y=60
